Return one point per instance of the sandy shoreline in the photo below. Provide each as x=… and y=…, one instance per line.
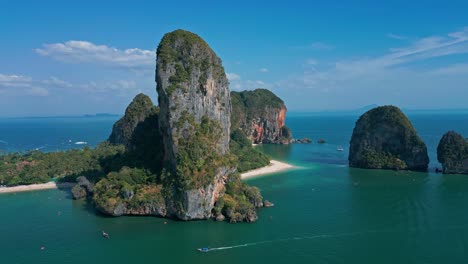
x=34, y=187
x=275, y=166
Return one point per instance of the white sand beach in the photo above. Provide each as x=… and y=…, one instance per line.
x=34, y=187
x=275, y=166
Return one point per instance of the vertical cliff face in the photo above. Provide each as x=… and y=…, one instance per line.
x=261, y=115
x=194, y=118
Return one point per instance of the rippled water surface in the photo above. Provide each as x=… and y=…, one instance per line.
x=324, y=211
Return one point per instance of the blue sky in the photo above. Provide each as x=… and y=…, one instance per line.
x=79, y=57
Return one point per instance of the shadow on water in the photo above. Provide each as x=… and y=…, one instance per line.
x=276, y=151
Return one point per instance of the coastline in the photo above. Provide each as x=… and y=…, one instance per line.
x=35, y=187
x=274, y=166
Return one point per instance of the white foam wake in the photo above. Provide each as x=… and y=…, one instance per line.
x=327, y=236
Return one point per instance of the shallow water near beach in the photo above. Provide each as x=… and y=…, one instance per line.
x=324, y=211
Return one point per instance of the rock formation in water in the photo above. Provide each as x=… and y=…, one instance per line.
x=452, y=153
x=195, y=110
x=177, y=161
x=384, y=138
x=82, y=189
x=261, y=115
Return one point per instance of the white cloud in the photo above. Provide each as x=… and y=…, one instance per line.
x=264, y=70
x=312, y=62
x=25, y=85
x=20, y=85
x=241, y=85
x=395, y=36
x=56, y=82
x=119, y=87
x=451, y=70
x=75, y=51
x=233, y=77
x=384, y=79
x=5, y=79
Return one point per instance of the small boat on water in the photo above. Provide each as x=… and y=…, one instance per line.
x=340, y=148
x=105, y=235
x=205, y=249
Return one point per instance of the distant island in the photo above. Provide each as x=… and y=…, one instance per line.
x=384, y=138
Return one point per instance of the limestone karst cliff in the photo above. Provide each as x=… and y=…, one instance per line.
x=261, y=115
x=195, y=111
x=177, y=160
x=452, y=153
x=384, y=138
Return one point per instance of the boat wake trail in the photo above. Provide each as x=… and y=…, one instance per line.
x=3, y=142
x=292, y=239
x=324, y=236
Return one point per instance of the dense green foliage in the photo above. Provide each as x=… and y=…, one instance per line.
x=384, y=138
x=239, y=202
x=381, y=160
x=186, y=51
x=250, y=104
x=134, y=187
x=39, y=167
x=452, y=152
x=248, y=157
x=138, y=110
x=388, y=114
x=197, y=157
x=286, y=132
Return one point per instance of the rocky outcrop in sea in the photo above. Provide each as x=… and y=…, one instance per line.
x=177, y=161
x=384, y=138
x=195, y=111
x=452, y=153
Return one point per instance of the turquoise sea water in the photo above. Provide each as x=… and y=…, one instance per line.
x=324, y=211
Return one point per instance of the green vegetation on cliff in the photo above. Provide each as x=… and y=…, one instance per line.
x=137, y=111
x=186, y=51
x=239, y=202
x=248, y=158
x=250, y=104
x=133, y=188
x=384, y=138
x=197, y=158
x=452, y=153
x=39, y=167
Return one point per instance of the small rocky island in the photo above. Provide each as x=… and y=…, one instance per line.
x=452, y=153
x=384, y=138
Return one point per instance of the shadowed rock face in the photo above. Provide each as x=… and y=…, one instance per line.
x=384, y=138
x=139, y=109
x=452, y=153
x=261, y=115
x=195, y=112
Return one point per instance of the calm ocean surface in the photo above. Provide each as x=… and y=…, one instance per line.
x=324, y=211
